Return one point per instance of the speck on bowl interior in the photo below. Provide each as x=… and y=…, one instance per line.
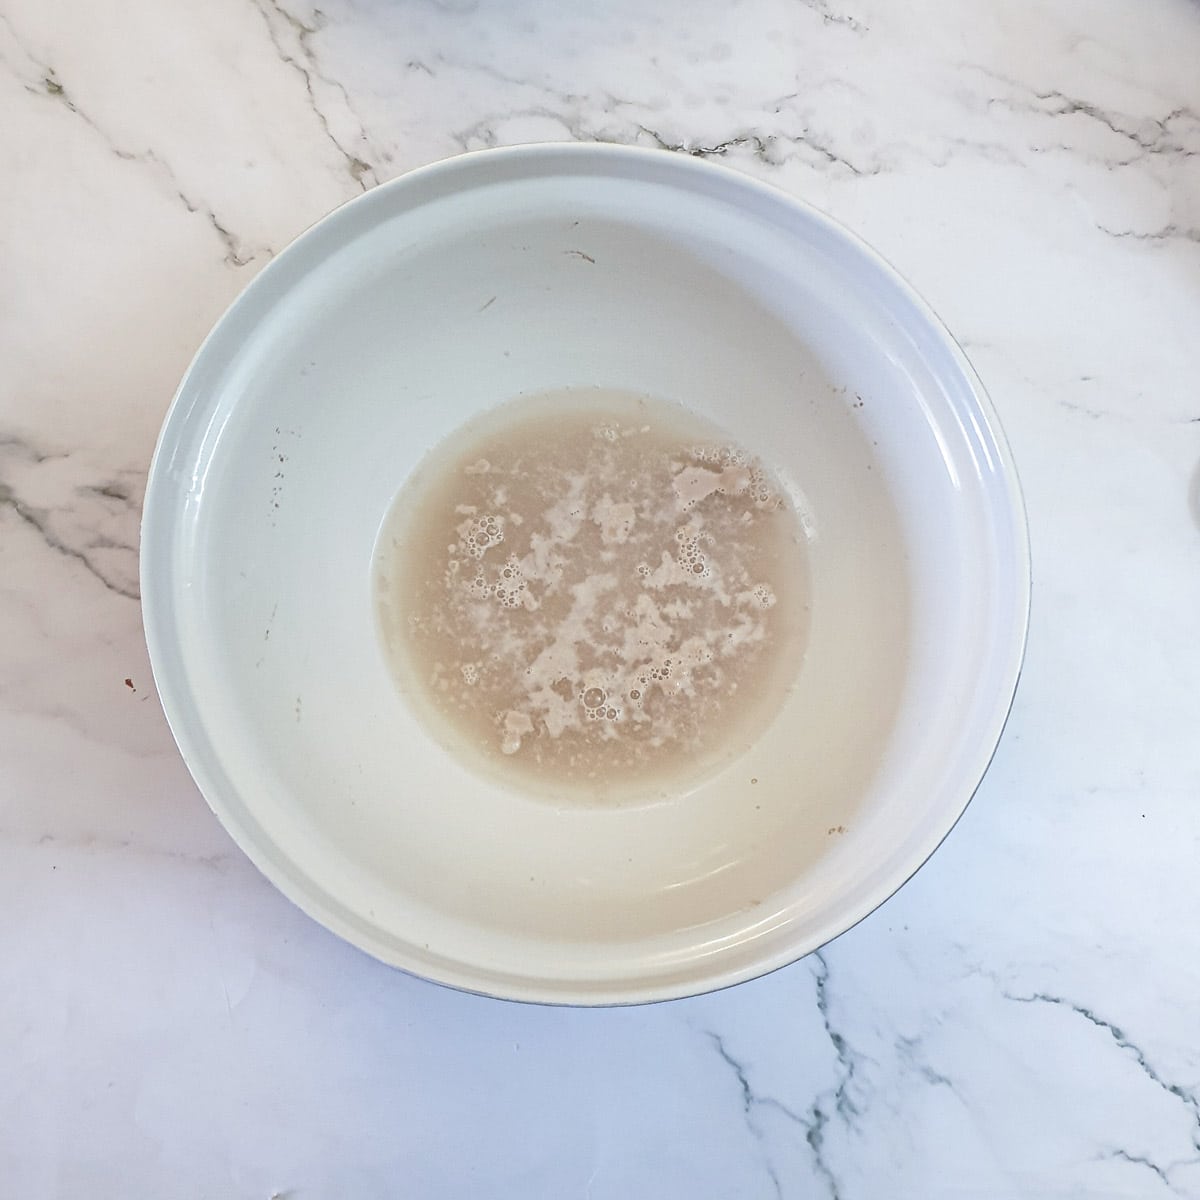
x=433, y=298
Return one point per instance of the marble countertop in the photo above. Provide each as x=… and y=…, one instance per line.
x=1022, y=1019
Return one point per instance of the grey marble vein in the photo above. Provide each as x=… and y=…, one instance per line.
x=750, y=1101
x=957, y=148
x=836, y=1104
x=70, y=530
x=221, y=861
x=908, y=1051
x=50, y=86
x=1167, y=233
x=758, y=144
x=848, y=1059
x=362, y=172
x=1184, y=1095
x=1150, y=135
x=481, y=134
x=1141, y=1161
x=13, y=444
x=599, y=117
x=829, y=17
x=843, y=1104
x=488, y=71
x=37, y=519
x=1165, y=137
x=766, y=148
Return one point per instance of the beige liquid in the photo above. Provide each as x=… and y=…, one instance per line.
x=593, y=595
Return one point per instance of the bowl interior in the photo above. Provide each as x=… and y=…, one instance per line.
x=408, y=312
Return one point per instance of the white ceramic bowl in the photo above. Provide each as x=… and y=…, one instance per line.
x=393, y=321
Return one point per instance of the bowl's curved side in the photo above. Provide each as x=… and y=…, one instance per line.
x=204, y=407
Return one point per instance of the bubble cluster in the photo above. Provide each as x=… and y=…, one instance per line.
x=761, y=492
x=720, y=456
x=596, y=706
x=763, y=594
x=509, y=589
x=482, y=534
x=470, y=674
x=691, y=559
x=649, y=675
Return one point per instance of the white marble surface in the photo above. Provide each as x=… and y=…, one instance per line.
x=1023, y=1019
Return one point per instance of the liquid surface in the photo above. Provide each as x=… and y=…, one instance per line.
x=594, y=595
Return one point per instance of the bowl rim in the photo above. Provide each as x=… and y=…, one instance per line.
x=184, y=716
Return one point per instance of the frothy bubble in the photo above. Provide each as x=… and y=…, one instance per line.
x=764, y=595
